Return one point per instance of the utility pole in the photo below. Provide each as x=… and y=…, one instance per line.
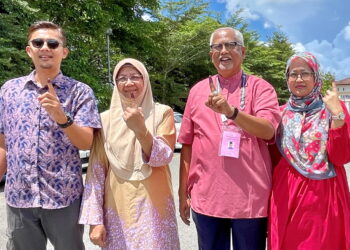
x=108, y=33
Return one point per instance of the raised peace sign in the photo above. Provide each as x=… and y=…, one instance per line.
x=50, y=102
x=212, y=87
x=217, y=102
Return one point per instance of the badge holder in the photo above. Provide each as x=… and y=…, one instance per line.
x=230, y=141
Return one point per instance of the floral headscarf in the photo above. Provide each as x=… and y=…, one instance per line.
x=303, y=134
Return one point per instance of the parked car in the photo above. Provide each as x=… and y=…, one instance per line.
x=84, y=157
x=178, y=120
x=3, y=179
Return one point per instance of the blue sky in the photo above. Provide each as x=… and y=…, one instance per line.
x=319, y=26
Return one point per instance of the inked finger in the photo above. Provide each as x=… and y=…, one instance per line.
x=51, y=89
x=211, y=85
x=133, y=103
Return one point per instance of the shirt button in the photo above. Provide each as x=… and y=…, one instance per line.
x=37, y=108
x=34, y=144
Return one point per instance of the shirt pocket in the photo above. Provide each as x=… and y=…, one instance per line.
x=246, y=148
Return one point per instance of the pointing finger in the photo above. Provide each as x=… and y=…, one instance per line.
x=211, y=85
x=51, y=89
x=133, y=101
x=334, y=86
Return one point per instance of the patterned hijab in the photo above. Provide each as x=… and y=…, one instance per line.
x=303, y=133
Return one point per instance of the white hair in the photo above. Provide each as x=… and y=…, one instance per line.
x=238, y=34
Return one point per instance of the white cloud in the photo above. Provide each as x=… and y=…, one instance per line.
x=274, y=10
x=333, y=56
x=347, y=32
x=246, y=13
x=147, y=17
x=313, y=25
x=293, y=17
x=299, y=47
x=267, y=25
x=278, y=1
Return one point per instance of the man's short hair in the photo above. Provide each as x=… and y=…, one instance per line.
x=238, y=34
x=47, y=25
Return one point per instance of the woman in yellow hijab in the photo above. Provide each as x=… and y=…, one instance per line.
x=128, y=199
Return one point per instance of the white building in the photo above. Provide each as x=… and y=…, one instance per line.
x=343, y=88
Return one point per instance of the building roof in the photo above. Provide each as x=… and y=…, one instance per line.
x=345, y=81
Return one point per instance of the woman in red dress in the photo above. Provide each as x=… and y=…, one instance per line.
x=310, y=200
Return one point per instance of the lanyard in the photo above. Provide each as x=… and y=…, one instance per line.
x=242, y=95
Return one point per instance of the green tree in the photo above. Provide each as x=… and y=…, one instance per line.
x=171, y=38
x=181, y=56
x=15, y=17
x=265, y=59
x=85, y=23
x=327, y=78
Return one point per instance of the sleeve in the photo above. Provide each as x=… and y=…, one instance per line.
x=2, y=109
x=91, y=210
x=86, y=111
x=163, y=142
x=186, y=133
x=266, y=103
x=338, y=145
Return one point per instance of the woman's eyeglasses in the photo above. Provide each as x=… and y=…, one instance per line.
x=124, y=79
x=229, y=46
x=303, y=75
x=39, y=43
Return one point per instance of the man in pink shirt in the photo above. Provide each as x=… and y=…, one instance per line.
x=225, y=169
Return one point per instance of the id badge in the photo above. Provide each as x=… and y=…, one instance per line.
x=230, y=142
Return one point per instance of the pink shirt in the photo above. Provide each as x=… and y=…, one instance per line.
x=223, y=186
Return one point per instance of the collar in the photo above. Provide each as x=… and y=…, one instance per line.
x=232, y=80
x=57, y=81
x=230, y=83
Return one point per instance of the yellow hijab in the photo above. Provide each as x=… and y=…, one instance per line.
x=123, y=150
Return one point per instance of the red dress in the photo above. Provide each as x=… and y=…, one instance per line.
x=307, y=214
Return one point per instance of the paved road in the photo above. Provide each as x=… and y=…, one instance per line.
x=188, y=238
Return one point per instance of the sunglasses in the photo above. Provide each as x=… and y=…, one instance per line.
x=39, y=43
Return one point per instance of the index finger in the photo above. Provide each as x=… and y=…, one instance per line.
x=49, y=85
x=334, y=86
x=211, y=84
x=133, y=101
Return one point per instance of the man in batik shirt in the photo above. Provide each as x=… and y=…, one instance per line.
x=45, y=119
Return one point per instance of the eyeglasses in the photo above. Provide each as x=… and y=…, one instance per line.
x=124, y=79
x=303, y=75
x=228, y=46
x=39, y=43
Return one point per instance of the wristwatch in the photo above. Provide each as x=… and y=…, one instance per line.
x=68, y=123
x=234, y=115
x=341, y=116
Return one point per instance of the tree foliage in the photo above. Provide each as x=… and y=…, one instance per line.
x=170, y=37
x=14, y=19
x=181, y=55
